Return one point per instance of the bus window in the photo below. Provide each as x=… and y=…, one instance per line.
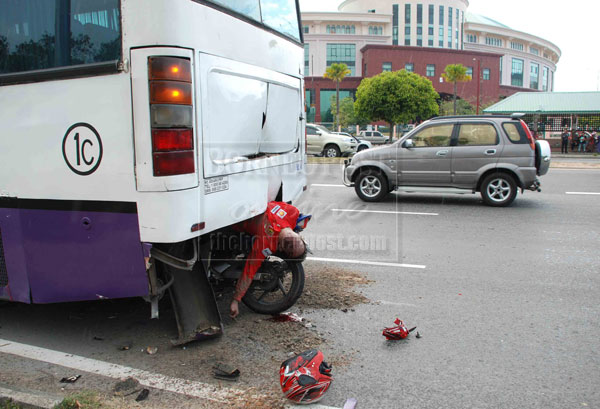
x=37, y=35
x=280, y=15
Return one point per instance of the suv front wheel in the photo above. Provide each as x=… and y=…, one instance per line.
x=498, y=189
x=371, y=186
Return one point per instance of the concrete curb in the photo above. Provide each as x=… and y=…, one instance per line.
x=28, y=399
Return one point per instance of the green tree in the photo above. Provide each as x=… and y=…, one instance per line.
x=336, y=72
x=455, y=73
x=347, y=114
x=462, y=108
x=397, y=97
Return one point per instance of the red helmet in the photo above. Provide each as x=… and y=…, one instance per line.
x=305, y=377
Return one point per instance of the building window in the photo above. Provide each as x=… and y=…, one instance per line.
x=496, y=42
x=386, y=66
x=420, y=25
x=471, y=38
x=449, y=27
x=305, y=29
x=470, y=71
x=342, y=53
x=501, y=63
x=516, y=46
x=407, y=24
x=306, y=59
x=457, y=28
x=486, y=74
x=534, y=74
x=441, y=33
x=430, y=70
x=431, y=31
x=376, y=30
x=395, y=24
x=410, y=67
x=545, y=79
x=534, y=51
x=516, y=75
x=340, y=29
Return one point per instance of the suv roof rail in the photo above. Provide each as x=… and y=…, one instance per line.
x=476, y=116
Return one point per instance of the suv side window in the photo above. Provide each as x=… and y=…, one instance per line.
x=436, y=135
x=515, y=132
x=311, y=131
x=477, y=134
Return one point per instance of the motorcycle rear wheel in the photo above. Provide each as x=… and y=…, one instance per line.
x=280, y=288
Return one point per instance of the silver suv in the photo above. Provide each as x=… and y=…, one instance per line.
x=493, y=155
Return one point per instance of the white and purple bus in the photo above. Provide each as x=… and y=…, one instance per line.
x=131, y=128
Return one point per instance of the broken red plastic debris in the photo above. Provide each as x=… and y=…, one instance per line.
x=398, y=332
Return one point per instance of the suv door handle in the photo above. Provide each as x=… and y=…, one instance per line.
x=490, y=152
x=441, y=153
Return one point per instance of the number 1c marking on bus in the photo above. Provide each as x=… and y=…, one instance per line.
x=78, y=144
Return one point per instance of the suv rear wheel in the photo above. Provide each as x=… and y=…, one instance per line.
x=331, y=151
x=498, y=189
x=371, y=186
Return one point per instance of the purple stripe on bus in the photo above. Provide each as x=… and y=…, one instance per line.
x=76, y=255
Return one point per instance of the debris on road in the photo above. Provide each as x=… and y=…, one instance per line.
x=127, y=387
x=126, y=346
x=226, y=372
x=70, y=379
x=319, y=293
x=143, y=395
x=418, y=335
x=398, y=332
x=151, y=350
x=350, y=403
x=286, y=317
x=96, y=338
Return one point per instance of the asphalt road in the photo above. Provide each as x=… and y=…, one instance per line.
x=506, y=300
x=507, y=305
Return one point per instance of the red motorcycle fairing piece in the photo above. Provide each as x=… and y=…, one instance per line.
x=305, y=378
x=398, y=332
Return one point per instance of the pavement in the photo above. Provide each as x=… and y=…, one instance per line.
x=37, y=399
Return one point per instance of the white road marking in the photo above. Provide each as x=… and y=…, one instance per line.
x=326, y=185
x=149, y=379
x=398, y=304
x=385, y=212
x=582, y=193
x=115, y=371
x=370, y=263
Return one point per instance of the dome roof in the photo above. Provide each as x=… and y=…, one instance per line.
x=479, y=19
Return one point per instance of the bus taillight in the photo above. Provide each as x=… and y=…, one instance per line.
x=171, y=112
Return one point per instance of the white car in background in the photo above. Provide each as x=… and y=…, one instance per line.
x=362, y=144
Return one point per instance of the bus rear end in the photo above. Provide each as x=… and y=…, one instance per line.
x=131, y=128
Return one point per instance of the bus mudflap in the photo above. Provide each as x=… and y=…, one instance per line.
x=194, y=304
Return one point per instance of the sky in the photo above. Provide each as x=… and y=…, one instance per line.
x=573, y=25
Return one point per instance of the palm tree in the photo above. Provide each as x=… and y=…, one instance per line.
x=336, y=72
x=454, y=73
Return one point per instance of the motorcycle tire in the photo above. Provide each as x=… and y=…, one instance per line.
x=255, y=296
